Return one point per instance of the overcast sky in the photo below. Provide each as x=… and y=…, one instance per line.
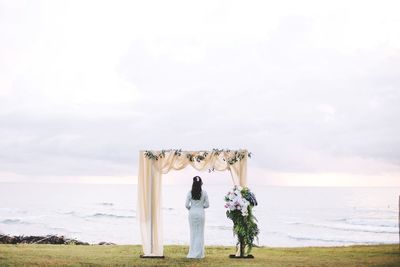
x=311, y=88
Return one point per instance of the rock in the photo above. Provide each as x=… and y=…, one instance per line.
x=49, y=239
x=106, y=243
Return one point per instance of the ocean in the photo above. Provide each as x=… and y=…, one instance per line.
x=287, y=216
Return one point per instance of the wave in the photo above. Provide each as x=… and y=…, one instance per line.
x=69, y=213
x=106, y=203
x=14, y=221
x=219, y=227
x=342, y=241
x=123, y=210
x=51, y=228
x=61, y=229
x=345, y=229
x=13, y=210
x=371, y=210
x=96, y=215
x=108, y=215
x=379, y=224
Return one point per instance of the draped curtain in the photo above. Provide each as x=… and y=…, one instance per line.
x=149, y=188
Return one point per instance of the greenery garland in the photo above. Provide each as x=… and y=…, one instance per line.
x=238, y=155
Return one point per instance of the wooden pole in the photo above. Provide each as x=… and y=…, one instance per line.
x=399, y=222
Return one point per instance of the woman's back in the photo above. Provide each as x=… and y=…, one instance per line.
x=196, y=217
x=197, y=203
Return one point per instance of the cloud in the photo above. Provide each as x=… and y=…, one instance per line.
x=307, y=89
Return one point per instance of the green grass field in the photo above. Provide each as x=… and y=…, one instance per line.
x=95, y=255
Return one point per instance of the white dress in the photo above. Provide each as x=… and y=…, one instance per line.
x=196, y=222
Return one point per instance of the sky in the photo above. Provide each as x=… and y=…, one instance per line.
x=311, y=88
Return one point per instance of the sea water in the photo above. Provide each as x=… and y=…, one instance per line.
x=287, y=216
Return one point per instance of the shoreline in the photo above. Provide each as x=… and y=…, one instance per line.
x=47, y=239
x=54, y=239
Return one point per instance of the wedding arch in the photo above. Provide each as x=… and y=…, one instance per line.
x=152, y=164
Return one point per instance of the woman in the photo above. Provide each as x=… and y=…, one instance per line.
x=196, y=202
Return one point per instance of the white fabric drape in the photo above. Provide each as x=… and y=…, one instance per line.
x=150, y=193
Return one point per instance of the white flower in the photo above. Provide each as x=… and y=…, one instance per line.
x=235, y=201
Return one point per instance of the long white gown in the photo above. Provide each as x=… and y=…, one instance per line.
x=196, y=222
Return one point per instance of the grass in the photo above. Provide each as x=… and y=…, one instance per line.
x=118, y=255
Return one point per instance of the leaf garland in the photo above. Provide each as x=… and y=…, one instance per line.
x=238, y=155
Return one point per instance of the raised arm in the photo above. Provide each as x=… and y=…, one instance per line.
x=188, y=198
x=206, y=203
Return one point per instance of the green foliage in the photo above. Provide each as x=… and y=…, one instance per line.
x=244, y=227
x=234, y=155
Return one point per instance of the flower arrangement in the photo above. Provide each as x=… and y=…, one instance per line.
x=239, y=203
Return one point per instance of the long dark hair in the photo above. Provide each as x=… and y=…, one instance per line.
x=196, y=187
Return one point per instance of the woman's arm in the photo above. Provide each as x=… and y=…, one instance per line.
x=188, y=197
x=206, y=203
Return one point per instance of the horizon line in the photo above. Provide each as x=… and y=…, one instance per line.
x=212, y=184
